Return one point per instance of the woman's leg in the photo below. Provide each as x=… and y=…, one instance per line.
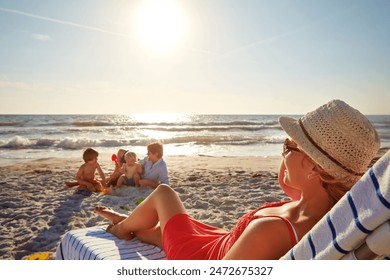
x=109, y=214
x=154, y=211
x=151, y=236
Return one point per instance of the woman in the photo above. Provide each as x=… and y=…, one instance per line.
x=329, y=150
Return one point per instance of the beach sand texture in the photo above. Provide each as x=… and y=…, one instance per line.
x=36, y=209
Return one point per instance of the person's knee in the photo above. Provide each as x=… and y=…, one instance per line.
x=164, y=189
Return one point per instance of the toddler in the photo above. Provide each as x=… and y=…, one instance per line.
x=129, y=169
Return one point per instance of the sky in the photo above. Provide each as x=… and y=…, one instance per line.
x=193, y=56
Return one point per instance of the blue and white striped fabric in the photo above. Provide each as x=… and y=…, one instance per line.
x=94, y=243
x=363, y=209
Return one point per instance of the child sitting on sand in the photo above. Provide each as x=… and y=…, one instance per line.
x=129, y=169
x=113, y=178
x=119, y=162
x=86, y=174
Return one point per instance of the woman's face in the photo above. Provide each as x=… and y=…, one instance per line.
x=293, y=160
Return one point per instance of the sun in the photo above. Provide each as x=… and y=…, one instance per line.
x=159, y=24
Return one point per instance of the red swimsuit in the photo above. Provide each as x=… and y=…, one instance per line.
x=185, y=238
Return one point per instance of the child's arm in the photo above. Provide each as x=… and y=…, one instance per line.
x=101, y=173
x=123, y=169
x=117, y=171
x=79, y=175
x=148, y=183
x=118, y=167
x=138, y=168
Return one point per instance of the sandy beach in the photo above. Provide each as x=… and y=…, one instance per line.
x=37, y=209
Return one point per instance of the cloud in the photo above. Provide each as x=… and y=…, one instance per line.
x=6, y=84
x=41, y=37
x=63, y=22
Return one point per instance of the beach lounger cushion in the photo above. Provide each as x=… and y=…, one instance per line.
x=94, y=243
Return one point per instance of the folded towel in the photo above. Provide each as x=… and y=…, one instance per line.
x=94, y=243
x=379, y=240
x=364, y=208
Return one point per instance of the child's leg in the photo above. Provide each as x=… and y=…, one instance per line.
x=113, y=179
x=71, y=184
x=158, y=207
x=97, y=185
x=136, y=178
x=120, y=181
x=90, y=187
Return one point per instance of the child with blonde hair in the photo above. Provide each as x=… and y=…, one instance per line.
x=129, y=170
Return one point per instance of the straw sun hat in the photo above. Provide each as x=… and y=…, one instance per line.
x=337, y=137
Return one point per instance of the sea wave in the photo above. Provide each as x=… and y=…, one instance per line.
x=209, y=128
x=11, y=123
x=19, y=142
x=91, y=123
x=169, y=124
x=124, y=122
x=16, y=142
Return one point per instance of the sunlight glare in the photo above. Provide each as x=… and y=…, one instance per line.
x=149, y=121
x=160, y=118
x=160, y=24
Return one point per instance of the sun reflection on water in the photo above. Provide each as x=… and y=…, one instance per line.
x=151, y=124
x=160, y=118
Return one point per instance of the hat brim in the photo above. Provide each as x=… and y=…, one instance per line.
x=294, y=130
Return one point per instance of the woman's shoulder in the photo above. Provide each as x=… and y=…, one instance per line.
x=266, y=238
x=274, y=204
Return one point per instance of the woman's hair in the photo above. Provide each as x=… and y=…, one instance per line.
x=335, y=188
x=90, y=154
x=156, y=148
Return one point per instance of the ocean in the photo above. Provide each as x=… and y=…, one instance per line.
x=24, y=137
